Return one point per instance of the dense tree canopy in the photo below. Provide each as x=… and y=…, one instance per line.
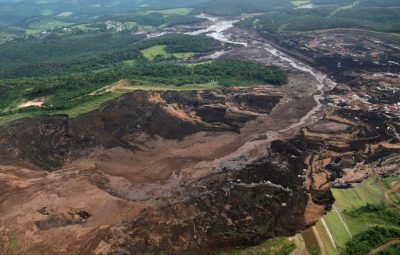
x=69, y=90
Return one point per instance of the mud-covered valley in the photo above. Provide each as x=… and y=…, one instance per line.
x=198, y=172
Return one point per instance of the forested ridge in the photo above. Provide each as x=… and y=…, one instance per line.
x=86, y=52
x=364, y=14
x=70, y=90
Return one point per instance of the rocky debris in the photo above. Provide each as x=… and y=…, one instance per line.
x=56, y=219
x=229, y=208
x=255, y=103
x=335, y=51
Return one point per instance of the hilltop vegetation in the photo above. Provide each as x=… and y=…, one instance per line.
x=363, y=243
x=364, y=14
x=182, y=43
x=56, y=18
x=91, y=51
x=67, y=91
x=17, y=11
x=62, y=17
x=73, y=53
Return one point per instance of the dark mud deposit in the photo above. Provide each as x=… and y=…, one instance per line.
x=55, y=139
x=198, y=172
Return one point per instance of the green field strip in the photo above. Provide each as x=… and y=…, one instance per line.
x=368, y=192
x=326, y=240
x=337, y=229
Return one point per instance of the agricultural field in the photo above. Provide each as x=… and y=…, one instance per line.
x=356, y=211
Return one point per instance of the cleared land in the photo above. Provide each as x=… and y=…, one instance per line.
x=72, y=113
x=175, y=11
x=159, y=50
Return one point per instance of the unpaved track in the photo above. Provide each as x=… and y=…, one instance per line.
x=384, y=247
x=387, y=192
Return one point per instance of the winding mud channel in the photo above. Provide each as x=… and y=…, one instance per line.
x=220, y=29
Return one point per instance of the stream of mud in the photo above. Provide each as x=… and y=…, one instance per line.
x=219, y=30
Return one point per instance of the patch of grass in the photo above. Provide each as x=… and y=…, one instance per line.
x=65, y=14
x=325, y=239
x=367, y=192
x=83, y=27
x=46, y=12
x=131, y=62
x=300, y=2
x=184, y=54
x=90, y=105
x=72, y=113
x=275, y=246
x=337, y=229
x=32, y=31
x=152, y=52
x=175, y=11
x=159, y=51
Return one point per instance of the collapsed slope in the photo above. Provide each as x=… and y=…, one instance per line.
x=47, y=142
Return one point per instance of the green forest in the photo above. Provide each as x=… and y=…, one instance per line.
x=71, y=90
x=78, y=53
x=182, y=43
x=365, y=14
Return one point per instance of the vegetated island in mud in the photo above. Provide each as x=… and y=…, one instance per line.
x=195, y=172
